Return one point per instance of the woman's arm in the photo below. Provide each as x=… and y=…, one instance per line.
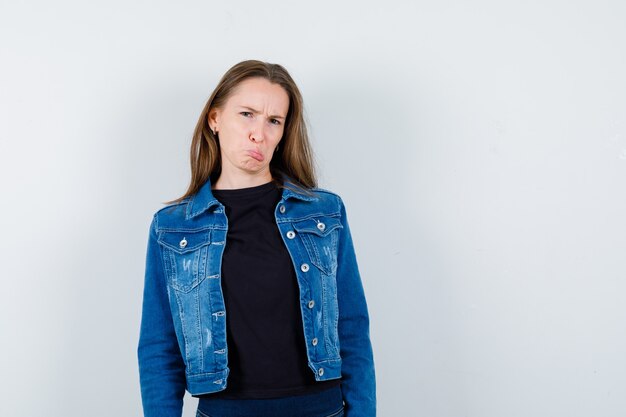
x=357, y=369
x=161, y=368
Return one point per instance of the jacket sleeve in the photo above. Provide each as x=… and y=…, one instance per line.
x=161, y=368
x=357, y=370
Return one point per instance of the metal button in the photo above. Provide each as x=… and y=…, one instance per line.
x=304, y=267
x=320, y=371
x=311, y=304
x=281, y=209
x=314, y=341
x=321, y=226
x=291, y=234
x=183, y=243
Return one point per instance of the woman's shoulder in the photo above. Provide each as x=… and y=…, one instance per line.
x=327, y=200
x=172, y=213
x=327, y=195
x=173, y=207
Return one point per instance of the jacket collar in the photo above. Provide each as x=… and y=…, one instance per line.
x=203, y=199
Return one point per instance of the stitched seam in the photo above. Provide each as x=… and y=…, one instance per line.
x=192, y=230
x=336, y=413
x=181, y=317
x=284, y=219
x=196, y=294
x=201, y=414
x=205, y=374
x=325, y=313
x=327, y=360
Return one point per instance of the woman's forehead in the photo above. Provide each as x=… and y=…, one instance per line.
x=259, y=93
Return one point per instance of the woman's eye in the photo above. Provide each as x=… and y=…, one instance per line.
x=245, y=113
x=275, y=121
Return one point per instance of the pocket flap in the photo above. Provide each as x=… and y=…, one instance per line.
x=185, y=241
x=320, y=226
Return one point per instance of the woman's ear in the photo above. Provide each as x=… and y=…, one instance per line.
x=212, y=119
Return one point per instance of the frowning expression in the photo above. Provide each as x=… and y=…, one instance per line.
x=250, y=125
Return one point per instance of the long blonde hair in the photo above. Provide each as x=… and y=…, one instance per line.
x=294, y=158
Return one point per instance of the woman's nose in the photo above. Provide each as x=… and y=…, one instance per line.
x=257, y=134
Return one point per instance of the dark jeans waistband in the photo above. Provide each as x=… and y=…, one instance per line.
x=317, y=404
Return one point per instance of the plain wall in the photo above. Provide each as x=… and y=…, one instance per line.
x=480, y=148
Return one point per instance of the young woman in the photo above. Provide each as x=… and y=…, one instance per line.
x=252, y=299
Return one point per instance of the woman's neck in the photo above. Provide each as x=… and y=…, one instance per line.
x=232, y=182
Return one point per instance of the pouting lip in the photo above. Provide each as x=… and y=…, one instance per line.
x=255, y=154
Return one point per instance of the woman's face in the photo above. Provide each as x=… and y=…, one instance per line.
x=249, y=126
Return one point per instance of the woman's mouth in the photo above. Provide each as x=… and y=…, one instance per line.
x=256, y=155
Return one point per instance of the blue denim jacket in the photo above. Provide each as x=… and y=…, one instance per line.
x=182, y=341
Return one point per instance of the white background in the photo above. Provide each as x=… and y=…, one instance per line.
x=480, y=147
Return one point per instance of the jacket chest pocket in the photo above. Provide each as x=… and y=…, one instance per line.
x=185, y=257
x=319, y=236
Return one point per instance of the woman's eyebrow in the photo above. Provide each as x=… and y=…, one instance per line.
x=256, y=111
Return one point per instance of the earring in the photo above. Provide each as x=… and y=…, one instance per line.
x=276, y=150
